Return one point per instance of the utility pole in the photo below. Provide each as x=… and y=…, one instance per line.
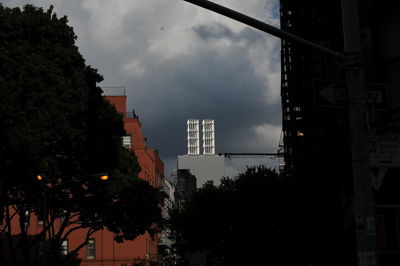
x=351, y=59
x=363, y=196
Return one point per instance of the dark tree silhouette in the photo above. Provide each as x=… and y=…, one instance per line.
x=236, y=223
x=259, y=218
x=54, y=120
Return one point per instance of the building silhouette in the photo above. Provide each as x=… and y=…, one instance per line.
x=185, y=186
x=165, y=243
x=316, y=134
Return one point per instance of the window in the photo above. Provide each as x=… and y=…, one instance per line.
x=64, y=248
x=40, y=249
x=62, y=217
x=127, y=141
x=25, y=218
x=90, y=249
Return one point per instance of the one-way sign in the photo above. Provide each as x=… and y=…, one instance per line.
x=335, y=94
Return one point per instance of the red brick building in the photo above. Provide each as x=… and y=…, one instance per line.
x=102, y=249
x=144, y=248
x=150, y=162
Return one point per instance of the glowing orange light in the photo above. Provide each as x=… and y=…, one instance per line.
x=39, y=177
x=104, y=177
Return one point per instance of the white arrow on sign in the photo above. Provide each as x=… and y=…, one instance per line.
x=333, y=94
x=377, y=180
x=374, y=96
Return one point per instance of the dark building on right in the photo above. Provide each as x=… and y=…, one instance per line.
x=316, y=133
x=185, y=186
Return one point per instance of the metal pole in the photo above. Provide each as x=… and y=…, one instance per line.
x=227, y=154
x=264, y=27
x=363, y=196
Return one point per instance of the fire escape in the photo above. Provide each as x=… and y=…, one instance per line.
x=314, y=135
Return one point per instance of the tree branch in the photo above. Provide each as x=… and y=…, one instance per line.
x=66, y=222
x=51, y=226
x=72, y=230
x=6, y=227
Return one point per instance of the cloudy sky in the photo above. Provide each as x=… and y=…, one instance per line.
x=179, y=61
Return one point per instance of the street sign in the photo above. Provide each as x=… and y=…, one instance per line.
x=197, y=259
x=335, y=94
x=377, y=177
x=384, y=154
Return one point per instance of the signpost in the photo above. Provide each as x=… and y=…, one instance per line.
x=377, y=176
x=335, y=94
x=384, y=154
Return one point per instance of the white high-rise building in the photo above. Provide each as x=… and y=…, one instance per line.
x=206, y=166
x=193, y=139
x=208, y=137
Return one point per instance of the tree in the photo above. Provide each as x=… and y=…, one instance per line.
x=260, y=218
x=236, y=223
x=54, y=120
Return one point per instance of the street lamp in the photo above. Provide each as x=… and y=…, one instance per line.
x=101, y=176
x=43, y=178
x=351, y=59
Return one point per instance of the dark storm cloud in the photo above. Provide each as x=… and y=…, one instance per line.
x=218, y=31
x=206, y=85
x=178, y=61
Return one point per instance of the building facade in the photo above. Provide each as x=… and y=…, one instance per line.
x=185, y=186
x=101, y=248
x=316, y=133
x=205, y=166
x=165, y=242
x=193, y=137
x=145, y=247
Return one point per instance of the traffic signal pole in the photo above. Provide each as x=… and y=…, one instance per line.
x=352, y=61
x=363, y=195
x=264, y=27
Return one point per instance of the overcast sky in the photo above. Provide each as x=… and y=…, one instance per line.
x=179, y=61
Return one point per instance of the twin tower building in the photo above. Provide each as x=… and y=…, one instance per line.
x=201, y=159
x=193, y=137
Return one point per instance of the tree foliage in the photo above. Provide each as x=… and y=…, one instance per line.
x=259, y=218
x=54, y=120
